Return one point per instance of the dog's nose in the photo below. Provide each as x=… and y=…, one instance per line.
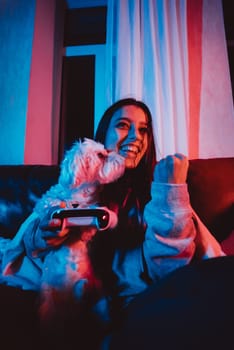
x=101, y=155
x=75, y=205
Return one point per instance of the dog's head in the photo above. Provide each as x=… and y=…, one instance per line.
x=88, y=162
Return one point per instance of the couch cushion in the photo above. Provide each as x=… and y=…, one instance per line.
x=20, y=187
x=211, y=187
x=210, y=183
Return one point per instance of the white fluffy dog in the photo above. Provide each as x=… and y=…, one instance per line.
x=67, y=271
x=85, y=167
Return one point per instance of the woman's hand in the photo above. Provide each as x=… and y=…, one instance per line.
x=53, y=231
x=173, y=169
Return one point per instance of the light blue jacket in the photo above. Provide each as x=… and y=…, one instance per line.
x=174, y=236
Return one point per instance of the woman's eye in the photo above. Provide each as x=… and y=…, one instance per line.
x=122, y=125
x=143, y=130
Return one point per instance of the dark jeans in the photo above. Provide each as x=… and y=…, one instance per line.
x=20, y=327
x=18, y=318
x=192, y=308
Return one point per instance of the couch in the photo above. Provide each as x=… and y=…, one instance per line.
x=210, y=184
x=211, y=188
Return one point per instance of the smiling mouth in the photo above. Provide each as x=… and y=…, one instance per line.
x=129, y=150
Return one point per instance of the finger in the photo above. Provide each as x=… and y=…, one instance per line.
x=55, y=222
x=169, y=160
x=51, y=224
x=63, y=232
x=180, y=156
x=56, y=241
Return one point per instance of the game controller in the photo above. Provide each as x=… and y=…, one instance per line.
x=102, y=218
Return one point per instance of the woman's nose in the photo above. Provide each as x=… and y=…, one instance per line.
x=134, y=133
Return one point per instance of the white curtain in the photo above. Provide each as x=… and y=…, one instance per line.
x=172, y=55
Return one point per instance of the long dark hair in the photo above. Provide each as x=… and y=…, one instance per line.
x=127, y=197
x=130, y=193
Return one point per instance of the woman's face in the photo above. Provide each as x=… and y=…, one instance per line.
x=127, y=134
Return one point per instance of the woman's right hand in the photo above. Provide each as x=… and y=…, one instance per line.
x=52, y=229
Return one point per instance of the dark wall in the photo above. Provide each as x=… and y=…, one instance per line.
x=77, y=102
x=83, y=26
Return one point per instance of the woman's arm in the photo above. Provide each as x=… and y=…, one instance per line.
x=173, y=233
x=43, y=233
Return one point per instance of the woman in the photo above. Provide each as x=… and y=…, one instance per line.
x=157, y=230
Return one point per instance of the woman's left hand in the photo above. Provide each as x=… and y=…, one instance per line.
x=172, y=169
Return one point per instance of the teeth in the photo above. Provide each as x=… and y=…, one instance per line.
x=130, y=148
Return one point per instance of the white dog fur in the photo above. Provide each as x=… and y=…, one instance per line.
x=67, y=268
x=85, y=167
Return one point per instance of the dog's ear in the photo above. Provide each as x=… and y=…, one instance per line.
x=68, y=167
x=113, y=168
x=94, y=146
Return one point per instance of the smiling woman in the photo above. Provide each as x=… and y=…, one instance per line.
x=126, y=127
x=127, y=134
x=157, y=232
